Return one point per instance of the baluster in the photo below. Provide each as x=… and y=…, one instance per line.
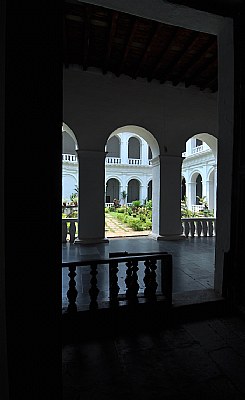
x=210, y=228
x=132, y=281
x=93, y=291
x=72, y=291
x=205, y=228
x=147, y=277
x=153, y=283
x=186, y=224
x=192, y=226
x=113, y=282
x=199, y=228
x=128, y=275
x=72, y=231
x=64, y=231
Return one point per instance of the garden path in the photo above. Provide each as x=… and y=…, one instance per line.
x=116, y=228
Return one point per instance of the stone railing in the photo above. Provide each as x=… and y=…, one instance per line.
x=134, y=161
x=197, y=207
x=191, y=227
x=137, y=267
x=204, y=226
x=69, y=157
x=69, y=229
x=113, y=160
x=197, y=149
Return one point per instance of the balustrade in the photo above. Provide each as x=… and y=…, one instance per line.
x=69, y=229
x=113, y=160
x=205, y=226
x=69, y=157
x=134, y=161
x=132, y=265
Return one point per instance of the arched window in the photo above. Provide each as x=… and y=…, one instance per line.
x=198, y=188
x=113, y=147
x=112, y=190
x=133, y=148
x=133, y=190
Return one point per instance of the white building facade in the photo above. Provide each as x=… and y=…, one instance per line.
x=128, y=169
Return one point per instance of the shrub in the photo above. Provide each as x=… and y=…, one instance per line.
x=121, y=210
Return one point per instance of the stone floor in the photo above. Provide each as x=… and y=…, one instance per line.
x=193, y=263
x=202, y=360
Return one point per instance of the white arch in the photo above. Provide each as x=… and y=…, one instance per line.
x=135, y=178
x=143, y=133
x=65, y=128
x=114, y=177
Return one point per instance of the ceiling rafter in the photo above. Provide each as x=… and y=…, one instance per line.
x=206, y=64
x=155, y=33
x=110, y=40
x=129, y=40
x=86, y=32
x=113, y=27
x=178, y=57
x=163, y=52
x=195, y=60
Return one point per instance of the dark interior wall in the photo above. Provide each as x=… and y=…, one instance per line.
x=33, y=81
x=235, y=269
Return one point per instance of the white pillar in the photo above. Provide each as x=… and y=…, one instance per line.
x=124, y=150
x=144, y=153
x=91, y=216
x=170, y=227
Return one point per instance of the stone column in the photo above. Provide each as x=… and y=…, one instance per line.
x=169, y=208
x=91, y=216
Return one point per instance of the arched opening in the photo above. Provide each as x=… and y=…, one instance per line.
x=113, y=147
x=112, y=190
x=199, y=168
x=134, y=148
x=69, y=165
x=198, y=189
x=133, y=190
x=136, y=176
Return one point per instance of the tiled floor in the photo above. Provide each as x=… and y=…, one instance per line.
x=193, y=263
x=202, y=360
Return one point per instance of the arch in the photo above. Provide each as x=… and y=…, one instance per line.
x=69, y=131
x=112, y=190
x=134, y=147
x=142, y=132
x=133, y=190
x=113, y=146
x=68, y=185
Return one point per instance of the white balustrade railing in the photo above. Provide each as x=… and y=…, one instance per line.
x=69, y=229
x=197, y=149
x=191, y=227
x=134, y=161
x=113, y=160
x=205, y=226
x=69, y=157
x=197, y=207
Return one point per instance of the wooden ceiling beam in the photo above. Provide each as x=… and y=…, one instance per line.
x=127, y=47
x=195, y=60
x=164, y=50
x=86, y=33
x=112, y=32
x=178, y=56
x=153, y=36
x=206, y=64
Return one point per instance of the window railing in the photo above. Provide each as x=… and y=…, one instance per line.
x=69, y=157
